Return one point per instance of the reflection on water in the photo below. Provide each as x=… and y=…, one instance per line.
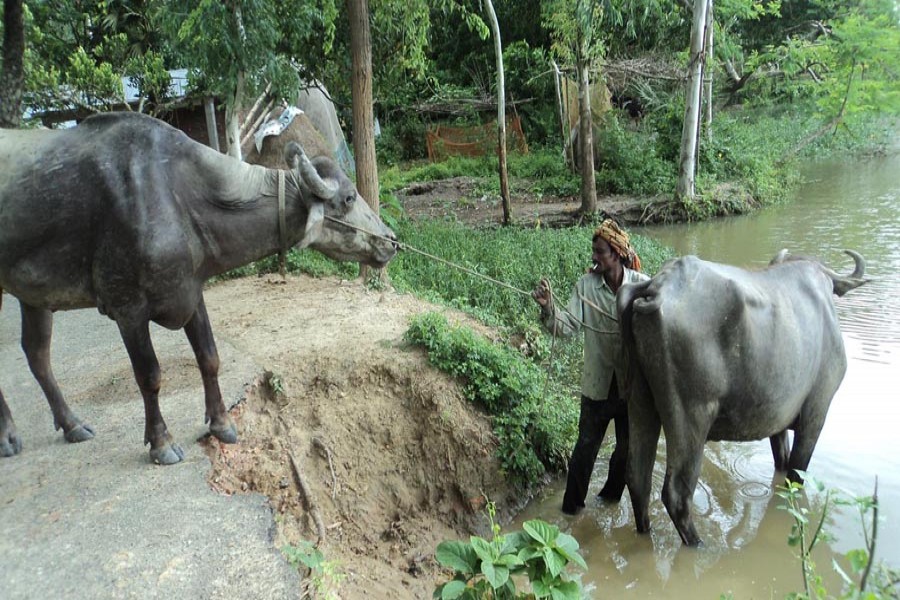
x=841, y=206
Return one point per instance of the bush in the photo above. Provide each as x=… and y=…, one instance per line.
x=306, y=261
x=518, y=257
x=630, y=163
x=534, y=431
x=402, y=139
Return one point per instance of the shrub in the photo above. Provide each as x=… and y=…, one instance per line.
x=484, y=569
x=629, y=161
x=866, y=579
x=534, y=430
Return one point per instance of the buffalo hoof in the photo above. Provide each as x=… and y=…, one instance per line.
x=572, y=510
x=227, y=434
x=169, y=454
x=10, y=444
x=689, y=536
x=610, y=494
x=642, y=524
x=80, y=433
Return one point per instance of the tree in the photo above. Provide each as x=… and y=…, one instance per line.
x=575, y=27
x=12, y=75
x=78, y=54
x=690, y=131
x=235, y=48
x=363, y=115
x=708, y=69
x=501, y=113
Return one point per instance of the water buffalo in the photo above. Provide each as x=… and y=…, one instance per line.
x=719, y=353
x=127, y=214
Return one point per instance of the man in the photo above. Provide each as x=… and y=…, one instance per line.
x=592, y=307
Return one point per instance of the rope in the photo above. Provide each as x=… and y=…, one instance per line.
x=547, y=378
x=503, y=284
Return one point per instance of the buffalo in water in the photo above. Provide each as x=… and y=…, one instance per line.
x=127, y=214
x=719, y=353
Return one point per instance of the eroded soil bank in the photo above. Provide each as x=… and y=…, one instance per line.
x=352, y=435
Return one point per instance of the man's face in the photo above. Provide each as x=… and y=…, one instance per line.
x=605, y=259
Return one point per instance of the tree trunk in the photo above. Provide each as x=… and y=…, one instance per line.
x=563, y=116
x=501, y=114
x=684, y=189
x=235, y=103
x=233, y=118
x=586, y=137
x=12, y=76
x=363, y=114
x=708, y=70
x=212, y=131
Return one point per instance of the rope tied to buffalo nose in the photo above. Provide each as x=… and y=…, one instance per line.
x=404, y=246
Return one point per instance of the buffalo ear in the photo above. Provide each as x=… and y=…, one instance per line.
x=314, y=223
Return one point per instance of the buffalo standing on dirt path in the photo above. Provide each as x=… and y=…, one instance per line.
x=128, y=214
x=720, y=353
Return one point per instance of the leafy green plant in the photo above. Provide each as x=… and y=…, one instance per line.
x=391, y=210
x=486, y=569
x=322, y=577
x=865, y=578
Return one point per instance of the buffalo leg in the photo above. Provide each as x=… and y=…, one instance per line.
x=199, y=334
x=644, y=426
x=163, y=449
x=37, y=328
x=10, y=443
x=806, y=435
x=781, y=449
x=684, y=456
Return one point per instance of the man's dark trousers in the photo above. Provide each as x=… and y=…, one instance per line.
x=592, y=425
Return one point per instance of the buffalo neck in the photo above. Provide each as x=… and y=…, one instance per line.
x=238, y=224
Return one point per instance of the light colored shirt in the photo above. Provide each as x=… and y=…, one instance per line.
x=602, y=342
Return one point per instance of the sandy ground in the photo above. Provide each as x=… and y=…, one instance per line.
x=348, y=438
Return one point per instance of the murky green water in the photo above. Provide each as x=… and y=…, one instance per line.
x=842, y=205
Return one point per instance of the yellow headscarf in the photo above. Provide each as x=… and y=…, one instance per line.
x=618, y=240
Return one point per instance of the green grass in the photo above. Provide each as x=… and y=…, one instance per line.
x=518, y=257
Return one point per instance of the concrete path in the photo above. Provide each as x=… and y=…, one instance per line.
x=97, y=519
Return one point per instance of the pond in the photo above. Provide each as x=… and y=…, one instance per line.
x=841, y=205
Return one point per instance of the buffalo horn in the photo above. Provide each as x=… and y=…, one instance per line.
x=297, y=159
x=860, y=270
x=844, y=283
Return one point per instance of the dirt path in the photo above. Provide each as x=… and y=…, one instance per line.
x=392, y=458
x=458, y=199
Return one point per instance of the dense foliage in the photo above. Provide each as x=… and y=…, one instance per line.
x=831, y=64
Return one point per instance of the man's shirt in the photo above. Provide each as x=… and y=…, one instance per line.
x=594, y=304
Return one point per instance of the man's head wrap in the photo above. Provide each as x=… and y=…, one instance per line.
x=618, y=240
